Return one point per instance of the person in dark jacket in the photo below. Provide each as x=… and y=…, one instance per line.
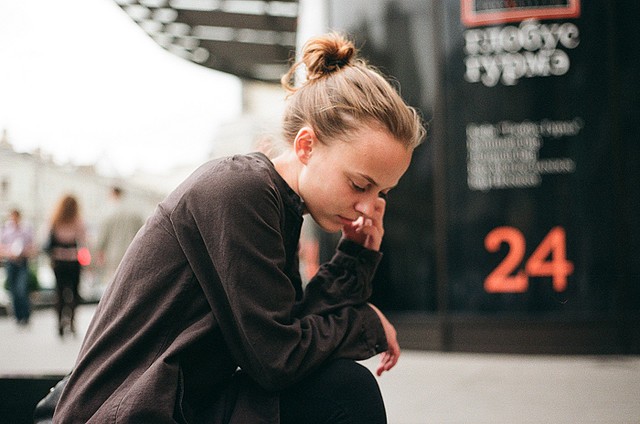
x=206, y=319
x=67, y=234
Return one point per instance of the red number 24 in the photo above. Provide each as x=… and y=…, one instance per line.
x=549, y=259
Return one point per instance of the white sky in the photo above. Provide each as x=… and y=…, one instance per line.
x=82, y=82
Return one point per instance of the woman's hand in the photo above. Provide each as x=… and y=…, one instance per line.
x=368, y=229
x=389, y=358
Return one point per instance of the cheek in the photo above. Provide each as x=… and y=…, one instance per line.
x=325, y=190
x=326, y=197
x=333, y=190
x=323, y=197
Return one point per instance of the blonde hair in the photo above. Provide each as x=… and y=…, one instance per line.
x=341, y=92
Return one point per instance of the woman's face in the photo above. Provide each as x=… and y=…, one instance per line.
x=341, y=181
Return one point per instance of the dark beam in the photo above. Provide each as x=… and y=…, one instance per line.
x=247, y=52
x=233, y=20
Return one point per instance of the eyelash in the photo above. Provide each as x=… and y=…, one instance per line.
x=358, y=188
x=363, y=189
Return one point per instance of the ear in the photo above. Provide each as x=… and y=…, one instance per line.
x=304, y=143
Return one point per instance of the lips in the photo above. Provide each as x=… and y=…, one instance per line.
x=346, y=221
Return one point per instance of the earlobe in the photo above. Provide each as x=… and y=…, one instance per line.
x=303, y=144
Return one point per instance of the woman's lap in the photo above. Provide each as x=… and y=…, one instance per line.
x=341, y=392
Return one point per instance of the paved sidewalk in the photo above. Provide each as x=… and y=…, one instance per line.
x=425, y=387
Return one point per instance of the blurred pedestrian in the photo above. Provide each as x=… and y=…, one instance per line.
x=67, y=235
x=16, y=247
x=116, y=233
x=206, y=319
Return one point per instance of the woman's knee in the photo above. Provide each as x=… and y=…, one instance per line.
x=344, y=374
x=343, y=390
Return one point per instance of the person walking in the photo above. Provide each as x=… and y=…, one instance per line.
x=206, y=319
x=16, y=247
x=116, y=233
x=67, y=234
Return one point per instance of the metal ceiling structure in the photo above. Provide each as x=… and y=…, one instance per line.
x=251, y=39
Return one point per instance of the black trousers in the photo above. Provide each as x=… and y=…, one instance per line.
x=342, y=392
x=67, y=282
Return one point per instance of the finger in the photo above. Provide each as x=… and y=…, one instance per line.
x=379, y=207
x=353, y=227
x=392, y=361
x=371, y=230
x=393, y=355
x=378, y=214
x=372, y=237
x=381, y=365
x=387, y=361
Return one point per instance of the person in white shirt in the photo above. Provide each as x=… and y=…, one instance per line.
x=16, y=247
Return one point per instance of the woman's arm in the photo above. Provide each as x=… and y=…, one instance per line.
x=233, y=241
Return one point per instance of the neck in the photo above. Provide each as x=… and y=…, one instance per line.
x=287, y=165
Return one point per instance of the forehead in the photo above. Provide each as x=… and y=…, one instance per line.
x=375, y=154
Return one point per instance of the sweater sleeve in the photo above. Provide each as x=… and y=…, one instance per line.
x=232, y=238
x=343, y=281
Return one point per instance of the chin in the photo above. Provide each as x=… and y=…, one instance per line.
x=329, y=226
x=333, y=230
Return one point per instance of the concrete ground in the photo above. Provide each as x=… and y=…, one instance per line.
x=425, y=387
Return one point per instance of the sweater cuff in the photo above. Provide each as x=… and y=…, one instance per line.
x=373, y=332
x=358, y=251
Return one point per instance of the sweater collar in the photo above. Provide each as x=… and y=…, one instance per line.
x=291, y=198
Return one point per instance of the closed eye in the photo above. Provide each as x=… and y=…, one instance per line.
x=358, y=188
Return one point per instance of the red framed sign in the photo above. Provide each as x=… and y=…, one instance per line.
x=488, y=12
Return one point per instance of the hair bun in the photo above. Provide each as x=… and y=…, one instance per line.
x=327, y=54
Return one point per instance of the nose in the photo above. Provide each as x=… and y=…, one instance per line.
x=366, y=206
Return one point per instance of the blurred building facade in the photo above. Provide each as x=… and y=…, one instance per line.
x=33, y=183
